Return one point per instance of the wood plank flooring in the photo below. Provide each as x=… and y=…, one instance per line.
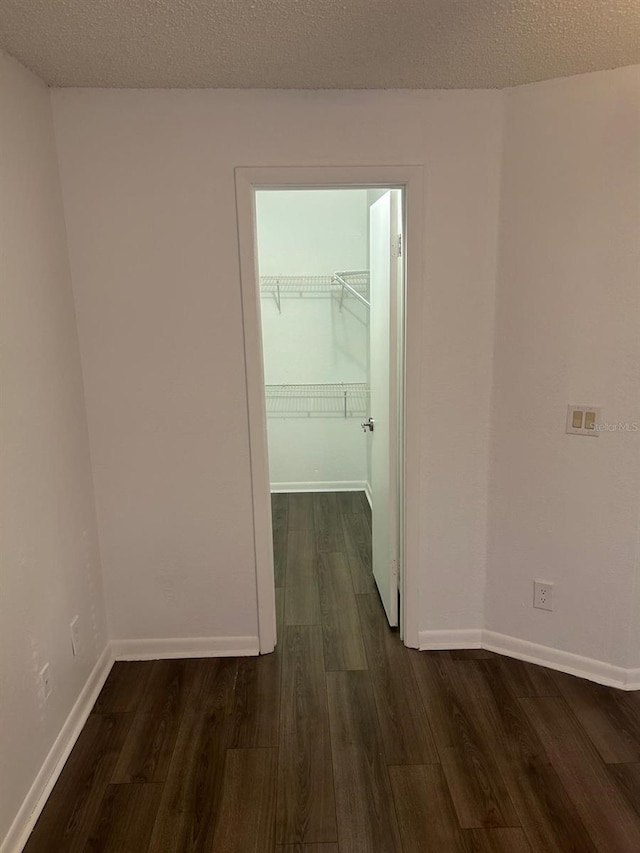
x=343, y=740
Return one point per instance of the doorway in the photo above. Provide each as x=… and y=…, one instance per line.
x=330, y=279
x=329, y=308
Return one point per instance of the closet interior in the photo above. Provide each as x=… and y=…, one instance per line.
x=313, y=255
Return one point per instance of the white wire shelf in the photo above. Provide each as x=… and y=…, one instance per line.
x=320, y=400
x=296, y=285
x=342, y=284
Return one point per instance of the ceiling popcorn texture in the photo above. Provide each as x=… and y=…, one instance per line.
x=318, y=44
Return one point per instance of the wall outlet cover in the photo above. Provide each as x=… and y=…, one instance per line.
x=543, y=595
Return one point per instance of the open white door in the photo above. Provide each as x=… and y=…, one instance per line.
x=383, y=266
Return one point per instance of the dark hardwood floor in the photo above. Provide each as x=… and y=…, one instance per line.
x=344, y=741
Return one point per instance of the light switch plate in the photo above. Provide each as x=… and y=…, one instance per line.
x=582, y=419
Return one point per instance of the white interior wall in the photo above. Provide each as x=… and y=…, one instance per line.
x=310, y=340
x=149, y=198
x=148, y=190
x=565, y=508
x=50, y=563
x=312, y=232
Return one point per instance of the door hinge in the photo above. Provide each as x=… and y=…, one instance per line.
x=399, y=246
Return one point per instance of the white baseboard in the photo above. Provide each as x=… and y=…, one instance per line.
x=368, y=493
x=590, y=668
x=48, y=774
x=331, y=486
x=633, y=679
x=185, y=647
x=449, y=639
x=189, y=647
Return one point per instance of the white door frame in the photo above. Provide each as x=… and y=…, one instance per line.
x=410, y=180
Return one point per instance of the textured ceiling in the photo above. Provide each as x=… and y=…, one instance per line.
x=318, y=44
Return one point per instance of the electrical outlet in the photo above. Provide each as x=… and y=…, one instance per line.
x=543, y=595
x=45, y=683
x=76, y=646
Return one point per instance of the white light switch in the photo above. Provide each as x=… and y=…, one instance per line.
x=583, y=419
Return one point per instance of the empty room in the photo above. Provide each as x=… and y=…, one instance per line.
x=320, y=426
